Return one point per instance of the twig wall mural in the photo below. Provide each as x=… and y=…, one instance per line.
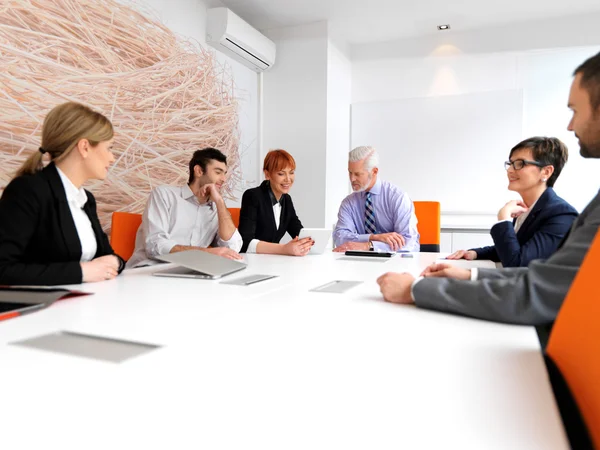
x=165, y=96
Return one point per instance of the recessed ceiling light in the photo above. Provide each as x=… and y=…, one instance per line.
x=443, y=27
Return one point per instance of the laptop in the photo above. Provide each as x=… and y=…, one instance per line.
x=199, y=264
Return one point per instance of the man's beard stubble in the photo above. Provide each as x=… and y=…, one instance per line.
x=592, y=149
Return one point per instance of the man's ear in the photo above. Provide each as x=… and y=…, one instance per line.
x=198, y=172
x=375, y=170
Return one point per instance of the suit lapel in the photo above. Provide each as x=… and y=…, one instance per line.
x=539, y=205
x=87, y=208
x=267, y=203
x=65, y=218
x=282, y=216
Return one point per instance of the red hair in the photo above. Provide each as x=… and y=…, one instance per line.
x=278, y=160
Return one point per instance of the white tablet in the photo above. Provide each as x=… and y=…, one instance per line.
x=321, y=237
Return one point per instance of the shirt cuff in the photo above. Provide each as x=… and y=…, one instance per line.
x=235, y=242
x=381, y=246
x=505, y=220
x=412, y=288
x=159, y=248
x=362, y=238
x=252, y=246
x=474, y=274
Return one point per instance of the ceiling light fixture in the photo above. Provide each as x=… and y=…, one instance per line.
x=443, y=27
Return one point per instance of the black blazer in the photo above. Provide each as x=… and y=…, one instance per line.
x=539, y=236
x=39, y=244
x=257, y=220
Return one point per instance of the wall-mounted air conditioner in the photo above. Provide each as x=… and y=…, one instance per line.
x=233, y=36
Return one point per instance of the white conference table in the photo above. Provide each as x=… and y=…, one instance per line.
x=274, y=366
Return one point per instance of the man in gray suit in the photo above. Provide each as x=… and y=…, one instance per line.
x=530, y=295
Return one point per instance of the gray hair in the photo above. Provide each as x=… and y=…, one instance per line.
x=369, y=154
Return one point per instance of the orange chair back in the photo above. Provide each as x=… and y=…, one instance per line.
x=429, y=225
x=123, y=229
x=235, y=215
x=574, y=344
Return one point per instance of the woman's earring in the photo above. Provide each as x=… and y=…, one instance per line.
x=543, y=179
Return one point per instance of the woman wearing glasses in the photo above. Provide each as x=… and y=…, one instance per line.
x=533, y=227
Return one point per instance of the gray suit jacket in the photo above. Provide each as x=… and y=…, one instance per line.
x=526, y=295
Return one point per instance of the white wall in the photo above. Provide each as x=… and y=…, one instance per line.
x=515, y=57
x=440, y=147
x=306, y=110
x=564, y=32
x=295, y=112
x=547, y=77
x=339, y=95
x=187, y=18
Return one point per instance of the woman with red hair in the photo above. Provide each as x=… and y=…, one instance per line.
x=267, y=211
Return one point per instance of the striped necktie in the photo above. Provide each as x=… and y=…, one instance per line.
x=370, y=216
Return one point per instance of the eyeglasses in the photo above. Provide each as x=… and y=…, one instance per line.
x=518, y=164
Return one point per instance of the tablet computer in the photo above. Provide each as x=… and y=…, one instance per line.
x=321, y=237
x=18, y=300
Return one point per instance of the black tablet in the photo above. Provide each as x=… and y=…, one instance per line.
x=368, y=253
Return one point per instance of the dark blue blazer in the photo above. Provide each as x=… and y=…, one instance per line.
x=539, y=236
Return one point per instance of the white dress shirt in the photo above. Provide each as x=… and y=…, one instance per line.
x=523, y=217
x=277, y=213
x=77, y=198
x=173, y=216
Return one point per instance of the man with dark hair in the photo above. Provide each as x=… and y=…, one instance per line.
x=529, y=295
x=190, y=217
x=202, y=158
x=589, y=80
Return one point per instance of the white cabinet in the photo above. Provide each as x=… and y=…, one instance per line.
x=453, y=240
x=462, y=231
x=465, y=241
x=446, y=242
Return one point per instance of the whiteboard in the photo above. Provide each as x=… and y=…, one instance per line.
x=449, y=149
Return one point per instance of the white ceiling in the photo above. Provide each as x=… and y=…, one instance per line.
x=364, y=21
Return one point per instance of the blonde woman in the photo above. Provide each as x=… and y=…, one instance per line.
x=49, y=231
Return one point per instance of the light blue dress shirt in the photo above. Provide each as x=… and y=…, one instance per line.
x=394, y=212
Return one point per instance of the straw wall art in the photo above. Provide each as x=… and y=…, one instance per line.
x=165, y=95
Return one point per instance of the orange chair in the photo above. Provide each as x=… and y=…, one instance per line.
x=574, y=351
x=123, y=229
x=235, y=215
x=429, y=226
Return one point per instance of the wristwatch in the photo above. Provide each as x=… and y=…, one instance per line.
x=371, y=247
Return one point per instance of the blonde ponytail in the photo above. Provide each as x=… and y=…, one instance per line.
x=32, y=165
x=64, y=126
